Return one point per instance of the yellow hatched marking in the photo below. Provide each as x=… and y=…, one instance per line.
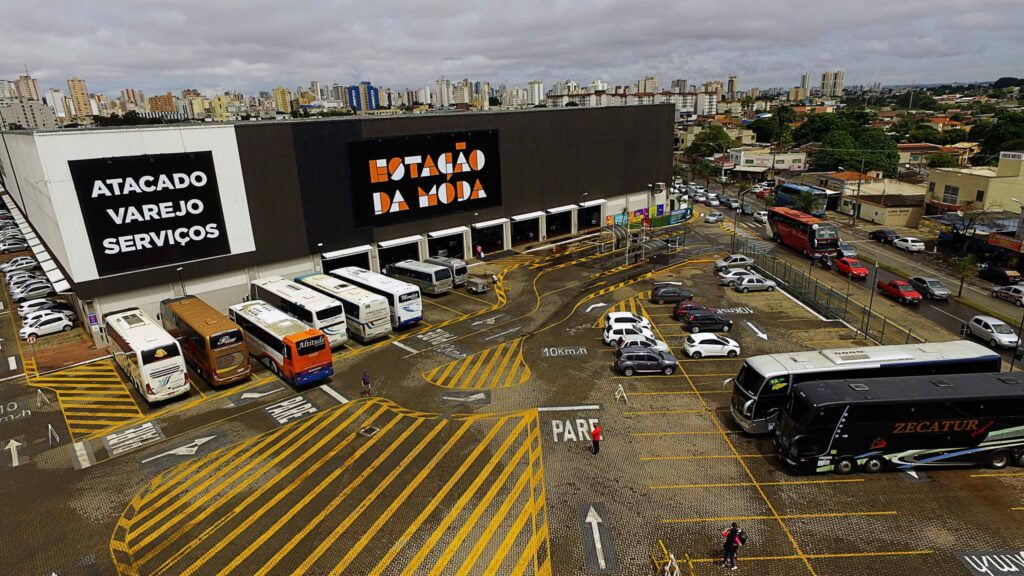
x=499, y=366
x=631, y=305
x=440, y=495
x=30, y=366
x=370, y=533
x=90, y=390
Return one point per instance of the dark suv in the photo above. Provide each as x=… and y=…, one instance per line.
x=884, y=235
x=631, y=360
x=1000, y=276
x=670, y=293
x=702, y=320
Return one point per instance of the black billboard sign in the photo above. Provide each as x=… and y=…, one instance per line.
x=148, y=211
x=419, y=176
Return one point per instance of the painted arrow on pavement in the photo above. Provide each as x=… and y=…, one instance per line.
x=253, y=395
x=595, y=305
x=489, y=321
x=594, y=519
x=13, y=446
x=189, y=449
x=760, y=334
x=470, y=398
x=502, y=333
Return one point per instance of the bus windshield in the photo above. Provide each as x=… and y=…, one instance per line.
x=329, y=312
x=749, y=380
x=827, y=232
x=442, y=274
x=160, y=353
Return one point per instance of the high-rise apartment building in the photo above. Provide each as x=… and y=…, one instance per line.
x=162, y=104
x=7, y=89
x=444, y=93
x=832, y=83
x=598, y=86
x=535, y=92
x=713, y=87
x=57, y=102
x=314, y=87
x=80, y=97
x=282, y=99
x=364, y=96
x=805, y=82
x=648, y=85
x=733, y=86
x=707, y=103
x=679, y=86
x=462, y=92
x=27, y=87
x=25, y=114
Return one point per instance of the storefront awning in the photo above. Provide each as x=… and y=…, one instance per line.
x=447, y=232
x=597, y=202
x=399, y=241
x=490, y=223
x=346, y=252
x=753, y=169
x=527, y=216
x=561, y=209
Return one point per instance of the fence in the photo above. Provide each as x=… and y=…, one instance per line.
x=823, y=298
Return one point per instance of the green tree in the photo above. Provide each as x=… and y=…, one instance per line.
x=838, y=148
x=706, y=170
x=964, y=266
x=1004, y=134
x=954, y=135
x=712, y=140
x=942, y=160
x=879, y=152
x=816, y=127
x=764, y=129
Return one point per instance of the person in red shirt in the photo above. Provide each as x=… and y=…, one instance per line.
x=595, y=436
x=731, y=545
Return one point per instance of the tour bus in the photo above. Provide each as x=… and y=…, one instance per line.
x=291, y=349
x=903, y=422
x=458, y=268
x=761, y=388
x=367, y=314
x=148, y=354
x=789, y=193
x=811, y=236
x=431, y=278
x=403, y=298
x=211, y=342
x=311, y=307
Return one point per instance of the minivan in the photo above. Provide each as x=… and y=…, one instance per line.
x=458, y=268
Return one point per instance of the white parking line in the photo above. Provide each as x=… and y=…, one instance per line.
x=961, y=320
x=407, y=348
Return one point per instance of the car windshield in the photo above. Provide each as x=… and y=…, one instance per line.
x=1002, y=329
x=905, y=288
x=934, y=284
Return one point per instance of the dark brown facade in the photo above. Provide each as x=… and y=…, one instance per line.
x=300, y=195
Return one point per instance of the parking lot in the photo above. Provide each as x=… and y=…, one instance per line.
x=472, y=454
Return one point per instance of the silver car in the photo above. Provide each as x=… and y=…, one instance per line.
x=754, y=284
x=730, y=276
x=997, y=333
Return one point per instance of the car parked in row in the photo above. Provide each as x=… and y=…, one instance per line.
x=13, y=245
x=731, y=202
x=1000, y=276
x=29, y=318
x=626, y=319
x=845, y=250
x=852, y=268
x=883, y=235
x=29, y=306
x=713, y=202
x=629, y=361
x=997, y=333
x=734, y=261
x=1013, y=294
x=909, y=243
x=930, y=288
x=664, y=293
x=683, y=309
x=34, y=290
x=641, y=341
x=45, y=323
x=729, y=276
x=746, y=209
x=754, y=284
x=19, y=263
x=710, y=344
x=706, y=321
x=614, y=334
x=713, y=217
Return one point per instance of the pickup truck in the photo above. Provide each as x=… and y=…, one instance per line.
x=899, y=290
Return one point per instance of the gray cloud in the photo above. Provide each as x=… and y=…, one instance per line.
x=163, y=45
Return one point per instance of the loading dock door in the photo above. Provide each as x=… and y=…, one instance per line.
x=525, y=231
x=450, y=242
x=559, y=223
x=357, y=256
x=589, y=217
x=488, y=235
x=389, y=256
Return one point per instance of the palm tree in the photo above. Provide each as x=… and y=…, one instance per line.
x=806, y=202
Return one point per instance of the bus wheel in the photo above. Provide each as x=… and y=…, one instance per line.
x=875, y=464
x=845, y=465
x=997, y=460
x=1019, y=459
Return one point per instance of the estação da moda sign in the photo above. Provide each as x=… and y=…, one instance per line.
x=148, y=211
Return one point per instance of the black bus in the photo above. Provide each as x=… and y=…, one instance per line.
x=903, y=422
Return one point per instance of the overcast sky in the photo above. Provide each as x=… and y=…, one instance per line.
x=218, y=45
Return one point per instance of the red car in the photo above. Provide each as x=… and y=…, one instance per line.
x=762, y=194
x=683, y=309
x=899, y=290
x=851, y=267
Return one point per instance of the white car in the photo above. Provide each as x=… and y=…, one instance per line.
x=33, y=316
x=29, y=306
x=909, y=244
x=729, y=276
x=713, y=217
x=24, y=280
x=761, y=216
x=7, y=246
x=37, y=290
x=713, y=202
x=19, y=263
x=641, y=341
x=45, y=324
x=709, y=344
x=614, y=334
x=754, y=284
x=626, y=319
x=10, y=277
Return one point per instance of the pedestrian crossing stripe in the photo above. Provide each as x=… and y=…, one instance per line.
x=30, y=367
x=499, y=366
x=92, y=396
x=632, y=305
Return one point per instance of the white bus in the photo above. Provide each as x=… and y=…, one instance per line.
x=403, y=298
x=148, y=354
x=431, y=278
x=290, y=348
x=459, y=268
x=368, y=314
x=762, y=386
x=311, y=307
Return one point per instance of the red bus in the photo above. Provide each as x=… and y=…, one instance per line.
x=811, y=236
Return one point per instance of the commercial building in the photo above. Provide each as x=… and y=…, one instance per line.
x=80, y=97
x=283, y=99
x=748, y=158
x=24, y=114
x=162, y=104
x=984, y=188
x=133, y=216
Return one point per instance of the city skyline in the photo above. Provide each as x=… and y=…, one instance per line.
x=169, y=48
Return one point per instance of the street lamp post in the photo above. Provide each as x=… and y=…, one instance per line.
x=871, y=298
x=856, y=198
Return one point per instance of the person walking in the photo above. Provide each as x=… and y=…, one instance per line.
x=367, y=388
x=479, y=252
x=595, y=437
x=733, y=541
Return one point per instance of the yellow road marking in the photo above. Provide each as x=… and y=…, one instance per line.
x=511, y=498
x=784, y=516
x=414, y=564
x=1017, y=508
x=334, y=503
x=681, y=392
x=429, y=301
x=506, y=543
x=482, y=369
x=397, y=502
x=997, y=475
x=464, y=295
x=91, y=396
x=738, y=484
x=440, y=495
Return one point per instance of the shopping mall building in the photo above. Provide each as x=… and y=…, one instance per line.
x=128, y=217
